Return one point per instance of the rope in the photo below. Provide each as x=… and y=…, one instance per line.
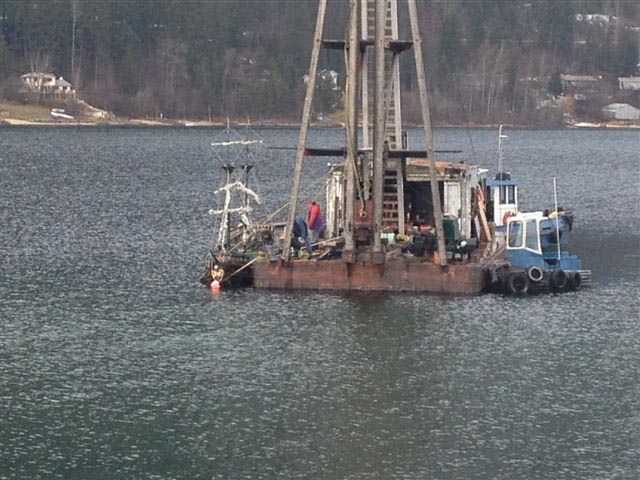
x=240, y=269
x=464, y=110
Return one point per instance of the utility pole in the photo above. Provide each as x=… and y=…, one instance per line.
x=74, y=21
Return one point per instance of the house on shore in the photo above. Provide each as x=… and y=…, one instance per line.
x=629, y=83
x=579, y=84
x=47, y=84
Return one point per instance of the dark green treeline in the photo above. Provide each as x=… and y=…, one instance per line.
x=487, y=59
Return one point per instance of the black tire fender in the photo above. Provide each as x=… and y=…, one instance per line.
x=518, y=283
x=576, y=281
x=559, y=280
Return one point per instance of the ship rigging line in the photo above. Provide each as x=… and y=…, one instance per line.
x=270, y=216
x=464, y=110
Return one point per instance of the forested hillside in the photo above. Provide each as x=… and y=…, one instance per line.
x=487, y=60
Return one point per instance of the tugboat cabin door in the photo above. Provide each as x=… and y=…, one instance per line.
x=502, y=199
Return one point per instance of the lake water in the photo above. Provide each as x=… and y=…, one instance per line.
x=116, y=364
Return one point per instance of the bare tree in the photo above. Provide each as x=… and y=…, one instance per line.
x=496, y=83
x=40, y=62
x=172, y=63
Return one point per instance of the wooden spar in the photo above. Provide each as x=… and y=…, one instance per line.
x=366, y=140
x=426, y=120
x=352, y=129
x=304, y=127
x=378, y=125
x=483, y=217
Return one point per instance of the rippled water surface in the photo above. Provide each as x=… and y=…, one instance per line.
x=116, y=364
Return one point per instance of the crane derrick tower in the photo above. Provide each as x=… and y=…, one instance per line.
x=376, y=150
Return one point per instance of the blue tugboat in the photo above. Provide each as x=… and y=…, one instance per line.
x=530, y=253
x=535, y=255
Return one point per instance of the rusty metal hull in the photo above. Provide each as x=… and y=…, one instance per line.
x=390, y=276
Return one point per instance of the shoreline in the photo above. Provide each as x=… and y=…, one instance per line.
x=16, y=114
x=134, y=122
x=14, y=122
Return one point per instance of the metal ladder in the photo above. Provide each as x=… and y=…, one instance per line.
x=393, y=201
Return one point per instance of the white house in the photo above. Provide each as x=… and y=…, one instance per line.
x=47, y=83
x=621, y=111
x=579, y=82
x=629, y=83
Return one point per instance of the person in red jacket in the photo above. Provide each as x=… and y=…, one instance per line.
x=315, y=223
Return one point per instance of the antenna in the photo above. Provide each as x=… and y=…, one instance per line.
x=500, y=137
x=557, y=219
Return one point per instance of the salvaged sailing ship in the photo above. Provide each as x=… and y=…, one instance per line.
x=235, y=247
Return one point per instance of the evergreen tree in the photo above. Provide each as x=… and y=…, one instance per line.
x=243, y=58
x=555, y=84
x=627, y=56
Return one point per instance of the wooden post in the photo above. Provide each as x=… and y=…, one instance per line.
x=366, y=139
x=426, y=120
x=352, y=130
x=304, y=127
x=483, y=216
x=378, y=127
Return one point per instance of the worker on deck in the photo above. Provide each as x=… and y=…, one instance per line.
x=315, y=223
x=300, y=235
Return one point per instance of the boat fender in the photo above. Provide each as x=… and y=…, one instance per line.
x=518, y=283
x=505, y=217
x=576, y=281
x=535, y=273
x=215, y=286
x=559, y=280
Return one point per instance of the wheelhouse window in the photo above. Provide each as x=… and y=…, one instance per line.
x=532, y=235
x=507, y=194
x=515, y=234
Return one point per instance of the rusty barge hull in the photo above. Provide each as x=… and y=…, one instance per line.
x=390, y=276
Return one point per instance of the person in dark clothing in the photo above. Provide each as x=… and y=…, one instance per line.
x=299, y=235
x=423, y=241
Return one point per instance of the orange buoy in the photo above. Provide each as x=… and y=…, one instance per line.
x=215, y=286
